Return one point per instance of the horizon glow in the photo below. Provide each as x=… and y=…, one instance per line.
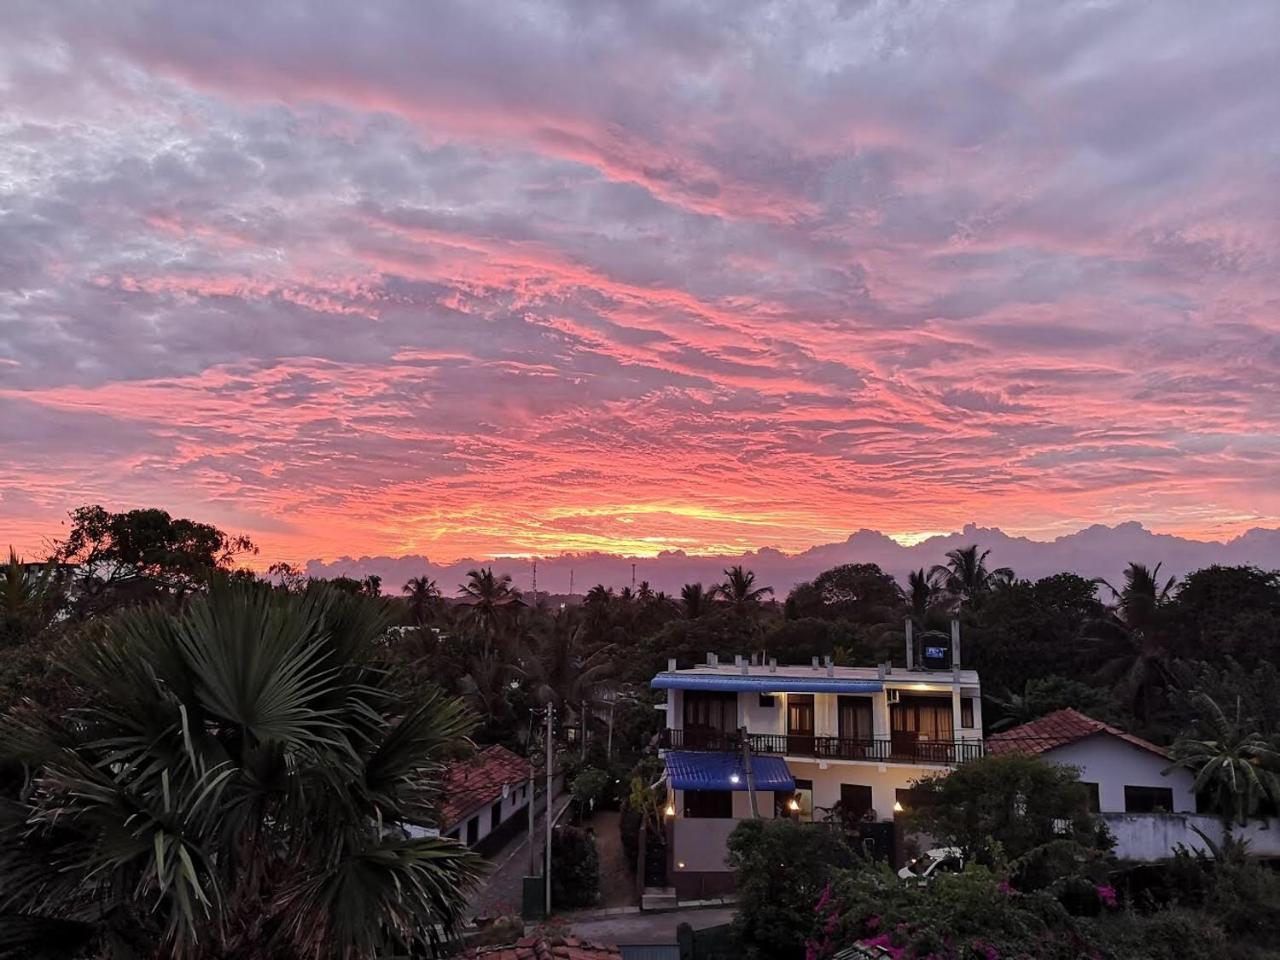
x=550, y=277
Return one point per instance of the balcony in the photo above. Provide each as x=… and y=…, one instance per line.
x=887, y=750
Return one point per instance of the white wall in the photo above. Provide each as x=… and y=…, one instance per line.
x=1113, y=764
x=883, y=779
x=517, y=801
x=1154, y=836
x=701, y=845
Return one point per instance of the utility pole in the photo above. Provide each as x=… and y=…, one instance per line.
x=633, y=577
x=584, y=729
x=535, y=583
x=533, y=796
x=751, y=778
x=550, y=752
x=571, y=581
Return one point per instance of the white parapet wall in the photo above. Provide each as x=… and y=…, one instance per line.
x=1147, y=837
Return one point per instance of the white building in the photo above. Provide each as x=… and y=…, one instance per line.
x=1148, y=804
x=482, y=796
x=797, y=741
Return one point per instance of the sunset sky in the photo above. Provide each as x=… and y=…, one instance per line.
x=523, y=278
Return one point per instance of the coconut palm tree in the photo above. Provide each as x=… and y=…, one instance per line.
x=492, y=600
x=559, y=669
x=921, y=594
x=237, y=786
x=424, y=598
x=1136, y=625
x=695, y=600
x=965, y=575
x=740, y=591
x=1232, y=763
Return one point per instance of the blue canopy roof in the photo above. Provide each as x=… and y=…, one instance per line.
x=772, y=683
x=689, y=770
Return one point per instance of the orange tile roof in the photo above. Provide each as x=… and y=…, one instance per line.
x=478, y=780
x=1058, y=729
x=542, y=948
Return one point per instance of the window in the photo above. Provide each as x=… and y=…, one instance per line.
x=855, y=798
x=495, y=815
x=800, y=714
x=804, y=797
x=854, y=718
x=473, y=830
x=709, y=716
x=928, y=718
x=966, y=712
x=1148, y=799
x=1095, y=804
x=768, y=701
x=708, y=804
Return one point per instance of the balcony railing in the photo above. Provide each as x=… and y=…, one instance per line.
x=875, y=750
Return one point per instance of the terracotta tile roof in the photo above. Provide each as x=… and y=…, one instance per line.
x=542, y=948
x=1058, y=729
x=478, y=780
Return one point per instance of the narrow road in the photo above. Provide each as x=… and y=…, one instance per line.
x=499, y=893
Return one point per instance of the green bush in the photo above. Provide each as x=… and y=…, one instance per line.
x=575, y=868
x=588, y=789
x=781, y=869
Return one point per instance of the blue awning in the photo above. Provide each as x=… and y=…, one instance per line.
x=772, y=683
x=689, y=770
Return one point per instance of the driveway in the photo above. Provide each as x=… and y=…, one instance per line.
x=646, y=927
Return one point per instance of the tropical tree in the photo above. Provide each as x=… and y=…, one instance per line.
x=1137, y=626
x=238, y=785
x=560, y=670
x=965, y=575
x=740, y=590
x=424, y=598
x=1232, y=762
x=28, y=600
x=143, y=555
x=491, y=601
x=921, y=594
x=695, y=600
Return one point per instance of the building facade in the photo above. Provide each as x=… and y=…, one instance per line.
x=813, y=743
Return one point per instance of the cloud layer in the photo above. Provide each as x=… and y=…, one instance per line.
x=466, y=279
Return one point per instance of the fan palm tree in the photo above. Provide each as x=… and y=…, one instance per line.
x=695, y=600
x=740, y=591
x=236, y=787
x=1232, y=762
x=965, y=575
x=424, y=598
x=492, y=600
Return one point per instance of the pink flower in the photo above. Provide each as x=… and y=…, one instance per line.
x=873, y=922
x=1003, y=887
x=1107, y=894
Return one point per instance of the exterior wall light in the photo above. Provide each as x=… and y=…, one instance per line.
x=734, y=778
x=671, y=810
x=794, y=805
x=897, y=807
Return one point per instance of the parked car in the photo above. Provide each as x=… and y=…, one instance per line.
x=932, y=862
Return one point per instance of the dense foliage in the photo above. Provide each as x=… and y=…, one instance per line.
x=781, y=868
x=234, y=785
